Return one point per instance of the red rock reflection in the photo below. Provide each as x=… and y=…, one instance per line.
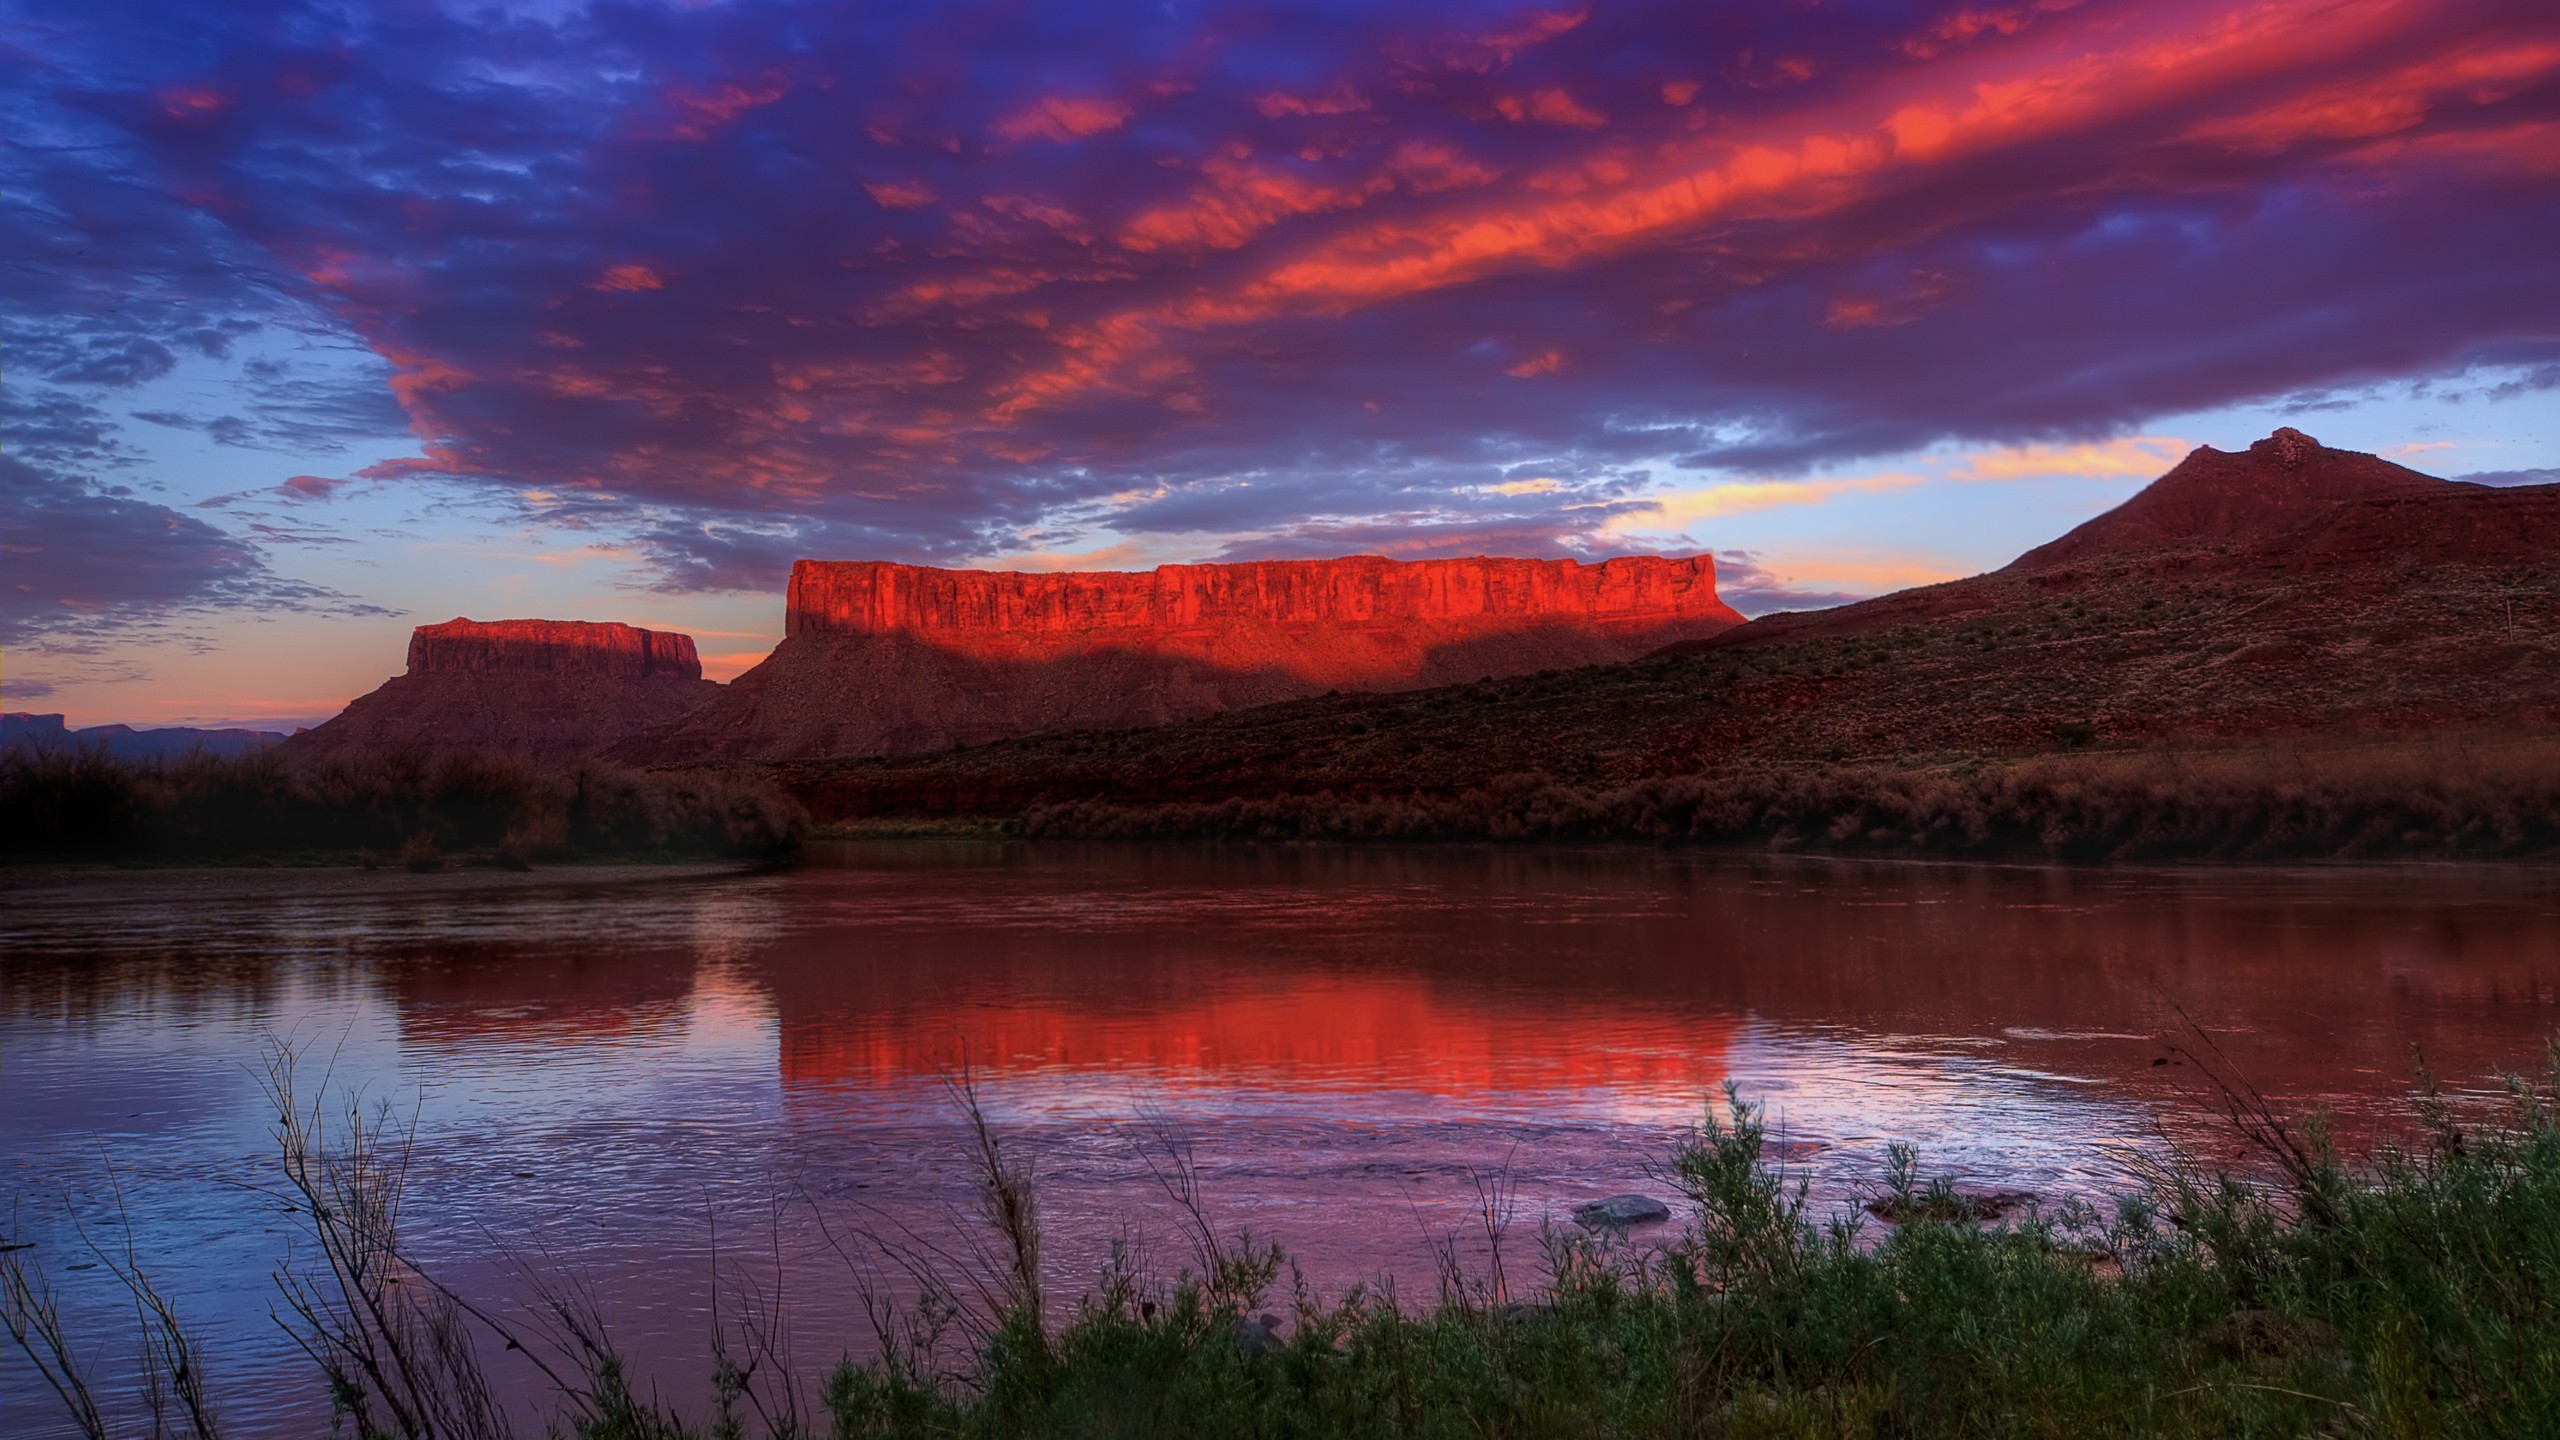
x=1306, y=1031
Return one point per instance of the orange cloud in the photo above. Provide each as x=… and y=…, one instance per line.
x=1546, y=364
x=193, y=102
x=706, y=111
x=1239, y=201
x=1340, y=100
x=2137, y=456
x=2393, y=103
x=630, y=277
x=1555, y=107
x=1064, y=117
x=1495, y=49
x=900, y=194
x=1799, y=166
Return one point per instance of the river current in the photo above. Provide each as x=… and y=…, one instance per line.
x=687, y=1094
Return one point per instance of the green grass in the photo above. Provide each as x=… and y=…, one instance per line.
x=2421, y=1298
x=2415, y=1293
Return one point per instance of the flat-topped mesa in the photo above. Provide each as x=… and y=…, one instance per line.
x=542, y=690
x=873, y=597
x=554, y=646
x=879, y=658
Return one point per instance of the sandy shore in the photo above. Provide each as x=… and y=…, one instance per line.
x=29, y=885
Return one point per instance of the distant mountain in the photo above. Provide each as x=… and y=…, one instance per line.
x=541, y=690
x=19, y=729
x=880, y=658
x=2288, y=589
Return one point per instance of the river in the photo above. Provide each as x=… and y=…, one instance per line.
x=688, y=1093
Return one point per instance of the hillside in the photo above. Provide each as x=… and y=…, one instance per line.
x=2287, y=592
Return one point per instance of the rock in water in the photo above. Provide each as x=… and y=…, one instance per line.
x=1621, y=1212
x=882, y=659
x=541, y=690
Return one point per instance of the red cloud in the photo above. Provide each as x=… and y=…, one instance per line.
x=630, y=277
x=1552, y=106
x=1064, y=117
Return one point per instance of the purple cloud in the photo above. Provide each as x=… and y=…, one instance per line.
x=771, y=279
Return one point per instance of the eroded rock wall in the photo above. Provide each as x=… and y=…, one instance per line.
x=881, y=658
x=552, y=646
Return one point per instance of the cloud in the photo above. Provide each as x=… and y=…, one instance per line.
x=83, y=562
x=1680, y=509
x=2133, y=456
x=2546, y=476
x=1749, y=586
x=1064, y=117
x=757, y=280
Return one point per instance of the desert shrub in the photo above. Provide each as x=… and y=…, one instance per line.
x=86, y=805
x=2260, y=803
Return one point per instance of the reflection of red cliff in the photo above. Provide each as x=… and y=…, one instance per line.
x=541, y=689
x=1307, y=1032
x=884, y=658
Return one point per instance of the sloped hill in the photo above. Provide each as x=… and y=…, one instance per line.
x=2360, y=600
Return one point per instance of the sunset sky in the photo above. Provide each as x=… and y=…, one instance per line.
x=323, y=321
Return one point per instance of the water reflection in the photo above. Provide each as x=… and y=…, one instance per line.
x=614, y=1070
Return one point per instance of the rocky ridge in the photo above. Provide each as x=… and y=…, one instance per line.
x=882, y=658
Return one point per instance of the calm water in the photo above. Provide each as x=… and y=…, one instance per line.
x=615, y=1081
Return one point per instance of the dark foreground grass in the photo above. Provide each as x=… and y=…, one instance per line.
x=2414, y=1294
x=418, y=809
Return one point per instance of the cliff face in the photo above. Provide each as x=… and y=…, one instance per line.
x=551, y=646
x=1010, y=607
x=882, y=659
x=541, y=690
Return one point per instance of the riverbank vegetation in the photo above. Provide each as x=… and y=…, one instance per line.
x=423, y=811
x=2487, y=799
x=2414, y=1292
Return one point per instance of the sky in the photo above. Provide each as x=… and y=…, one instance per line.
x=327, y=320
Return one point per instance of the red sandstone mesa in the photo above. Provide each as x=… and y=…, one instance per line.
x=554, y=646
x=544, y=690
x=881, y=658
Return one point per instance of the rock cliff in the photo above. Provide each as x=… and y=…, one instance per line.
x=566, y=647
x=541, y=690
x=882, y=659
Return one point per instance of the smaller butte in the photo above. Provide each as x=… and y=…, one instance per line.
x=541, y=690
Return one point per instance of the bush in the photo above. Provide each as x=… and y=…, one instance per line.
x=418, y=807
x=2269, y=803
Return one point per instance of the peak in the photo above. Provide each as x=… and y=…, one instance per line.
x=2216, y=497
x=2287, y=447
x=607, y=647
